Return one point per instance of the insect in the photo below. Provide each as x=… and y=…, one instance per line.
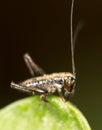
x=62, y=84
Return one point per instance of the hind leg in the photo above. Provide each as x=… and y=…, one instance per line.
x=21, y=88
x=34, y=69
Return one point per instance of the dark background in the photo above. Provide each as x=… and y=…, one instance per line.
x=42, y=28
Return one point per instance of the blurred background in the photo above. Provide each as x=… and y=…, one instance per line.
x=42, y=28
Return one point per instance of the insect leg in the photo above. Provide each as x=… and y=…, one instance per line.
x=50, y=90
x=43, y=97
x=60, y=94
x=21, y=88
x=34, y=69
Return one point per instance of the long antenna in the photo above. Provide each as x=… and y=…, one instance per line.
x=72, y=38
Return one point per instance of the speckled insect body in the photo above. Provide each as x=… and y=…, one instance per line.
x=62, y=84
x=57, y=83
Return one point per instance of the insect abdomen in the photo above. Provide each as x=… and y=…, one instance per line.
x=44, y=86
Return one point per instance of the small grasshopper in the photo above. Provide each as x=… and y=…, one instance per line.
x=62, y=84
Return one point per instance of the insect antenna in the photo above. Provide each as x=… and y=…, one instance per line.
x=72, y=38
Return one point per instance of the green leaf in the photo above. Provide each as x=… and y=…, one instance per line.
x=34, y=114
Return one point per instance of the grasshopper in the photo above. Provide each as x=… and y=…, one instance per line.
x=62, y=84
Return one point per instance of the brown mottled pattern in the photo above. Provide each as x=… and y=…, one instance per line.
x=48, y=76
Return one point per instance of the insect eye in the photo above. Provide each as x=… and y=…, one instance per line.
x=71, y=78
x=69, y=81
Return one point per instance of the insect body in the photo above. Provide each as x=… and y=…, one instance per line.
x=62, y=83
x=59, y=83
